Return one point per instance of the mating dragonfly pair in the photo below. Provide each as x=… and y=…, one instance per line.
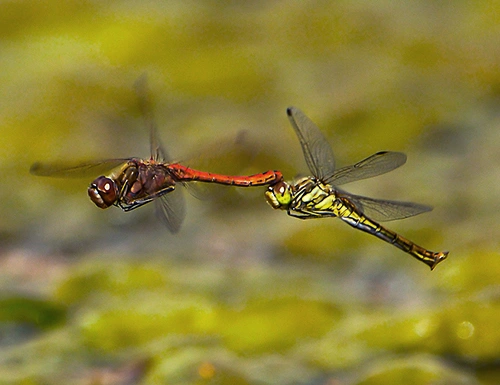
x=135, y=182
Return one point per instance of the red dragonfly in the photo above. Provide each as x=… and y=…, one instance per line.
x=135, y=182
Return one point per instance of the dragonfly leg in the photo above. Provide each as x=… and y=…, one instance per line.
x=127, y=204
x=303, y=213
x=132, y=206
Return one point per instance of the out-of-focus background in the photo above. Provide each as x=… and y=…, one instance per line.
x=244, y=294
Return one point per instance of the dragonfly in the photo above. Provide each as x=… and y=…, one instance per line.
x=134, y=182
x=318, y=196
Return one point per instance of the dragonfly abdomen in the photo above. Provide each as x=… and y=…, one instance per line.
x=363, y=223
x=187, y=174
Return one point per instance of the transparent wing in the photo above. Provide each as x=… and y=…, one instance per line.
x=158, y=152
x=317, y=151
x=79, y=170
x=374, y=165
x=386, y=210
x=171, y=210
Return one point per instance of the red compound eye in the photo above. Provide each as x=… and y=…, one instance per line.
x=103, y=192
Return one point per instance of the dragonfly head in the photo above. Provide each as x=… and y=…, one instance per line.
x=103, y=192
x=279, y=195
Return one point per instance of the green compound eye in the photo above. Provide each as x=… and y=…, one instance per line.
x=278, y=195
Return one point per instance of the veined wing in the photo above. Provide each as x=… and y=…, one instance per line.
x=377, y=164
x=158, y=152
x=385, y=210
x=171, y=210
x=170, y=207
x=80, y=170
x=317, y=151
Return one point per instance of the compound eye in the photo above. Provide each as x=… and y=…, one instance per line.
x=279, y=188
x=278, y=195
x=103, y=192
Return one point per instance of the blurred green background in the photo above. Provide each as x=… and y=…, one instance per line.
x=244, y=294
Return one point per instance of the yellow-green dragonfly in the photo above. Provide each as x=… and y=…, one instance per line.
x=317, y=196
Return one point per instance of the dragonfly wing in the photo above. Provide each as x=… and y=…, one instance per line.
x=158, y=153
x=80, y=170
x=386, y=210
x=171, y=210
x=317, y=151
x=377, y=164
x=170, y=207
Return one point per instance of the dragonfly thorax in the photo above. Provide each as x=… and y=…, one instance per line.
x=314, y=199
